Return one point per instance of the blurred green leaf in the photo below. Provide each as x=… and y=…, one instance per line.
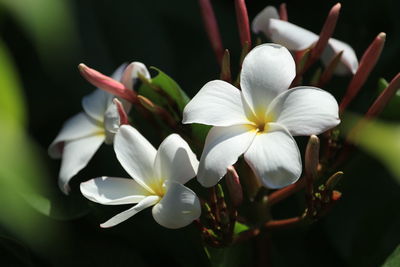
x=21, y=179
x=394, y=259
x=168, y=86
x=49, y=23
x=380, y=139
x=12, y=106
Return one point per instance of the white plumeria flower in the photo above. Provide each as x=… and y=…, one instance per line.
x=260, y=120
x=296, y=38
x=158, y=178
x=83, y=134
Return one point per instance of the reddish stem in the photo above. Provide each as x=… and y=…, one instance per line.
x=285, y=192
x=283, y=224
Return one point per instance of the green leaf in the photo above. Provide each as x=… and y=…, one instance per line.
x=391, y=110
x=200, y=131
x=240, y=227
x=168, y=86
x=394, y=259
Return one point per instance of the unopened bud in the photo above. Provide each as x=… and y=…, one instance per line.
x=326, y=33
x=210, y=23
x=226, y=67
x=336, y=195
x=367, y=63
x=243, y=22
x=123, y=117
x=234, y=186
x=312, y=157
x=283, y=12
x=107, y=83
x=330, y=69
x=147, y=103
x=384, y=98
x=333, y=180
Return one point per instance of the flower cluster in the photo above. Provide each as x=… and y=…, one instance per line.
x=256, y=116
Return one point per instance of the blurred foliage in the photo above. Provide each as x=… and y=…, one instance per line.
x=394, y=259
x=380, y=139
x=47, y=39
x=48, y=23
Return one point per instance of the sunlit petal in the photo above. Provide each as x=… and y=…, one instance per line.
x=175, y=161
x=348, y=61
x=135, y=154
x=178, y=208
x=113, y=191
x=261, y=21
x=76, y=155
x=291, y=36
x=275, y=157
x=223, y=147
x=123, y=216
x=305, y=110
x=218, y=103
x=267, y=71
x=76, y=127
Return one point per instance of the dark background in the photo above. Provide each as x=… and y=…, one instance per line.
x=362, y=230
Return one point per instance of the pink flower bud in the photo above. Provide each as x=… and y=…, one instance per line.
x=367, y=63
x=243, y=22
x=107, y=84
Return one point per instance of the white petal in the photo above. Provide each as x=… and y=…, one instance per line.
x=218, y=103
x=131, y=74
x=117, y=74
x=305, y=110
x=76, y=127
x=145, y=203
x=175, y=161
x=261, y=21
x=291, y=36
x=222, y=148
x=267, y=71
x=275, y=157
x=136, y=155
x=348, y=62
x=96, y=103
x=113, y=191
x=75, y=157
x=178, y=208
x=111, y=122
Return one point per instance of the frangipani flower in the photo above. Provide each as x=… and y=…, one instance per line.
x=296, y=38
x=158, y=178
x=260, y=120
x=83, y=134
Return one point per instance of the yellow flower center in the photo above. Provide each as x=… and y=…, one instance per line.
x=261, y=122
x=158, y=187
